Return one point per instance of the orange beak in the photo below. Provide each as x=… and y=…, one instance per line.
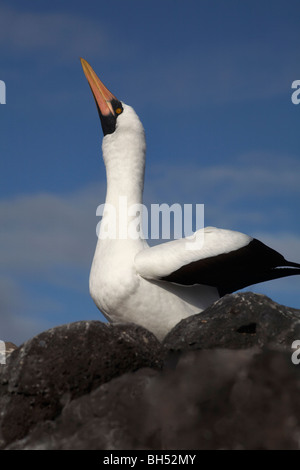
x=109, y=107
x=102, y=95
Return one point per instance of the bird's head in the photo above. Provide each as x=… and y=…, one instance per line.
x=114, y=114
x=123, y=144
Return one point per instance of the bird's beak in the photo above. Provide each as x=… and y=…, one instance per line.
x=102, y=95
x=109, y=107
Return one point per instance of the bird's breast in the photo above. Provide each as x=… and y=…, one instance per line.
x=113, y=277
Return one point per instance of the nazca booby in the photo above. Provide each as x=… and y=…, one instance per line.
x=158, y=286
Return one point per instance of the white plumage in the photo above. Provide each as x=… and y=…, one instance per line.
x=158, y=286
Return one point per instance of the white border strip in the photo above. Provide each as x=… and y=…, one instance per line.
x=2, y=352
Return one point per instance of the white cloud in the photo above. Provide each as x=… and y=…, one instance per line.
x=216, y=74
x=47, y=242
x=43, y=231
x=51, y=238
x=66, y=34
x=14, y=324
x=237, y=193
x=197, y=74
x=40, y=232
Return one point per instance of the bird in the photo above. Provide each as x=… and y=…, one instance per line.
x=158, y=286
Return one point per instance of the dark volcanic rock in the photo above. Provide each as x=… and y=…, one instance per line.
x=237, y=321
x=90, y=385
x=215, y=399
x=64, y=363
x=111, y=417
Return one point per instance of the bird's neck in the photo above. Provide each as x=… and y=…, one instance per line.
x=125, y=181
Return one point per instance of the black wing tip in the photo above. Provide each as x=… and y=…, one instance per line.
x=264, y=276
x=292, y=264
x=235, y=270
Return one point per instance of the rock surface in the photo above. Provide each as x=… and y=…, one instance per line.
x=90, y=385
x=237, y=321
x=64, y=363
x=216, y=399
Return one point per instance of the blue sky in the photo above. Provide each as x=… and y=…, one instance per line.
x=211, y=82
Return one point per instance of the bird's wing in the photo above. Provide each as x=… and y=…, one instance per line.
x=221, y=258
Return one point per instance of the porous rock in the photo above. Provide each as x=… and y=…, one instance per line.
x=214, y=399
x=236, y=321
x=64, y=363
x=88, y=385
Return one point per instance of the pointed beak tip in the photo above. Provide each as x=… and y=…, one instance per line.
x=101, y=94
x=83, y=62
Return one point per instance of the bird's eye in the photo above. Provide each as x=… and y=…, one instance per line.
x=117, y=107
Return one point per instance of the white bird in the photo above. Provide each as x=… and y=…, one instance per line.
x=158, y=286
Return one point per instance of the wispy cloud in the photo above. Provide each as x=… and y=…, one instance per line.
x=210, y=74
x=65, y=34
x=257, y=188
x=49, y=238
x=185, y=77
x=42, y=231
x=15, y=324
x=46, y=247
